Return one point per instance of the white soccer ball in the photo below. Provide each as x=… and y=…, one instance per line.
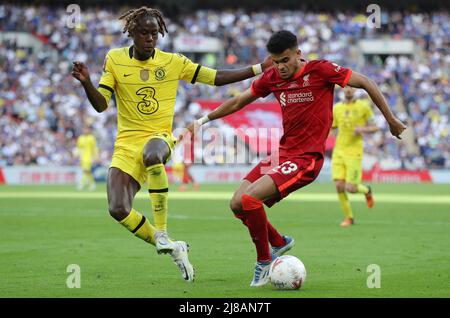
x=287, y=272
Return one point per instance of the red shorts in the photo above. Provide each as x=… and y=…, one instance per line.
x=289, y=173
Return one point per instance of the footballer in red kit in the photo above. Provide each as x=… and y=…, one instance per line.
x=306, y=102
x=304, y=91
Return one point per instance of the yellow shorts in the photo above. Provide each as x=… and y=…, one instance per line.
x=86, y=164
x=178, y=170
x=348, y=168
x=128, y=155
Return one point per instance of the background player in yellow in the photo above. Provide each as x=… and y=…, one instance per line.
x=87, y=153
x=144, y=80
x=353, y=118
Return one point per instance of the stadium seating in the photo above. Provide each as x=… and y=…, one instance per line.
x=42, y=109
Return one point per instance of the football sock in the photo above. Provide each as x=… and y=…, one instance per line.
x=345, y=204
x=87, y=179
x=90, y=178
x=187, y=178
x=140, y=226
x=256, y=221
x=275, y=238
x=158, y=187
x=84, y=179
x=363, y=189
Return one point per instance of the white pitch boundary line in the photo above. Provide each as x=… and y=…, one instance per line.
x=222, y=195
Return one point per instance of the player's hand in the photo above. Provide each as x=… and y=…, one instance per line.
x=396, y=127
x=80, y=71
x=189, y=131
x=358, y=131
x=267, y=63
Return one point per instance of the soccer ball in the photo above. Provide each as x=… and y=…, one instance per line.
x=287, y=272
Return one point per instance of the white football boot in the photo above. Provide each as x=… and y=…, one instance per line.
x=181, y=259
x=261, y=275
x=163, y=243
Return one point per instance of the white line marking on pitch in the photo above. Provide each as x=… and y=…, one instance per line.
x=222, y=195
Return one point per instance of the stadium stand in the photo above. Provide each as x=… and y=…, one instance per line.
x=42, y=109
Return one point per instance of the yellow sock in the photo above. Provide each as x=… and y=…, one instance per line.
x=362, y=189
x=90, y=178
x=84, y=179
x=140, y=226
x=158, y=187
x=345, y=204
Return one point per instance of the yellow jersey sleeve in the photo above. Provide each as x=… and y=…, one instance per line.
x=206, y=75
x=94, y=147
x=193, y=72
x=335, y=118
x=369, y=111
x=78, y=147
x=107, y=83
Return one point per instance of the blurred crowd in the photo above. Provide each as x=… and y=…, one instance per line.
x=43, y=109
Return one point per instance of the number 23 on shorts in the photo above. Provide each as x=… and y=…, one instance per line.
x=287, y=167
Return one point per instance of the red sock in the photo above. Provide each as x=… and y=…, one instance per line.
x=242, y=217
x=187, y=178
x=256, y=221
x=275, y=238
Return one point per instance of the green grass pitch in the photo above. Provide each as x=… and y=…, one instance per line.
x=46, y=228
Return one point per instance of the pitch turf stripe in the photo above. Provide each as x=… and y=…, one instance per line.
x=222, y=195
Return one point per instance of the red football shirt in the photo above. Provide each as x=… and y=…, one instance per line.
x=306, y=102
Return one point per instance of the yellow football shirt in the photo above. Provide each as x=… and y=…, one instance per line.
x=347, y=116
x=87, y=147
x=146, y=90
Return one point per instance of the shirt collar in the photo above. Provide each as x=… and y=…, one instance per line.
x=131, y=50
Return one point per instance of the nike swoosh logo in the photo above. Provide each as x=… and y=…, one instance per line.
x=126, y=75
x=280, y=84
x=185, y=274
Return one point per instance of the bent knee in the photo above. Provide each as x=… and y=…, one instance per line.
x=236, y=205
x=340, y=186
x=351, y=188
x=118, y=211
x=152, y=158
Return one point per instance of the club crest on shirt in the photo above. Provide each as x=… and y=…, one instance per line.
x=145, y=74
x=283, y=99
x=306, y=80
x=338, y=67
x=160, y=73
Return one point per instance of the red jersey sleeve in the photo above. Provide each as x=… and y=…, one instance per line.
x=260, y=86
x=334, y=73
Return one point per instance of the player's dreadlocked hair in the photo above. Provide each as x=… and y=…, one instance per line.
x=131, y=17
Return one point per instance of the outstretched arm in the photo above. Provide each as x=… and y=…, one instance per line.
x=230, y=106
x=358, y=80
x=224, y=77
x=81, y=73
x=369, y=128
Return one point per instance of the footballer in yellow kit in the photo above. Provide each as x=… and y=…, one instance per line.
x=144, y=80
x=145, y=94
x=87, y=152
x=352, y=117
